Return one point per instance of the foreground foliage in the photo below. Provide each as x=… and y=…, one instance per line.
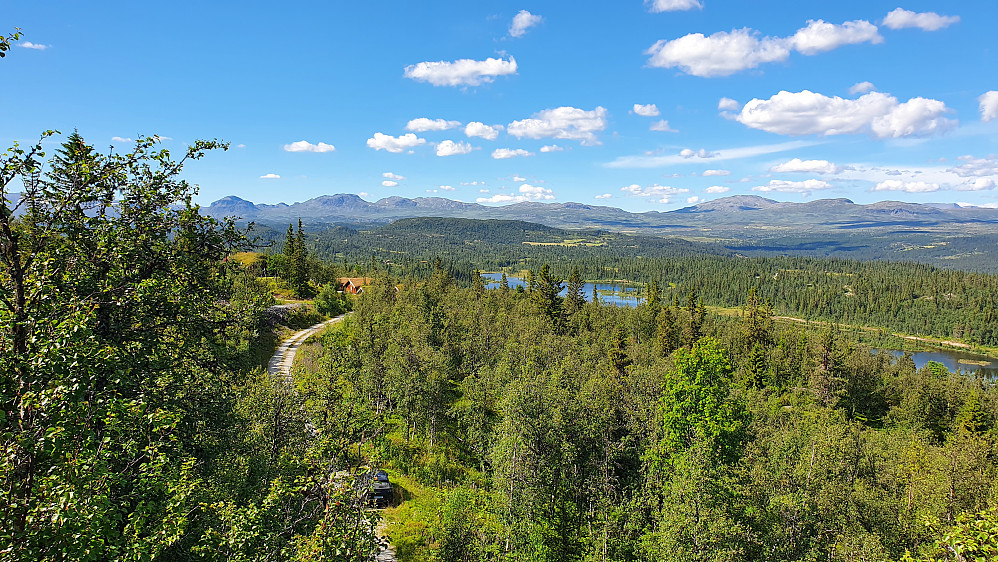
x=654, y=433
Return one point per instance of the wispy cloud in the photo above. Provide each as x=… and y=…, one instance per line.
x=35, y=46
x=645, y=161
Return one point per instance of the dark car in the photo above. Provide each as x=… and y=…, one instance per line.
x=375, y=489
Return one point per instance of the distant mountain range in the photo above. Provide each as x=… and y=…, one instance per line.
x=713, y=218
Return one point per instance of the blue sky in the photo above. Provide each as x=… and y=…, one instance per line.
x=640, y=105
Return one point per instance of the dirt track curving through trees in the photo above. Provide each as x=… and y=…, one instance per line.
x=280, y=363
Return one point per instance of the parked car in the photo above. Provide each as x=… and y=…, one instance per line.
x=375, y=489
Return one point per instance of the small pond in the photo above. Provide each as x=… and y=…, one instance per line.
x=608, y=293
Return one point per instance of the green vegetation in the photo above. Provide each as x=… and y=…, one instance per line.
x=135, y=423
x=527, y=429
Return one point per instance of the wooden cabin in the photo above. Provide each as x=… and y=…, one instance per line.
x=353, y=285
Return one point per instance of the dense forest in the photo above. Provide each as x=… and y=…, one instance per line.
x=900, y=297
x=526, y=426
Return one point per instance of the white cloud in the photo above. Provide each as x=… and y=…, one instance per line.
x=820, y=36
x=978, y=184
x=804, y=187
x=661, y=193
x=718, y=189
x=657, y=6
x=708, y=173
x=519, y=179
x=721, y=54
x=861, y=88
x=798, y=166
x=926, y=21
x=462, y=72
x=603, y=196
x=120, y=139
x=451, y=148
x=523, y=21
x=35, y=46
x=504, y=153
x=976, y=167
x=478, y=129
x=270, y=177
x=382, y=141
x=877, y=114
x=989, y=105
x=551, y=148
x=906, y=186
x=363, y=194
x=446, y=188
x=527, y=192
x=570, y=123
x=422, y=124
x=652, y=161
x=702, y=153
x=305, y=146
x=240, y=146
x=692, y=200
x=982, y=205
x=392, y=176
x=473, y=183
x=650, y=110
x=389, y=183
x=483, y=190
x=662, y=126
x=728, y=104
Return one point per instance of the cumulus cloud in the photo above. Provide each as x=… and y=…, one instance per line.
x=728, y=104
x=120, y=139
x=877, y=114
x=451, y=148
x=519, y=179
x=569, y=123
x=270, y=177
x=702, y=153
x=35, y=46
x=552, y=148
x=305, y=146
x=798, y=166
x=389, y=183
x=720, y=54
x=658, y=6
x=389, y=143
x=478, y=129
x=989, y=105
x=906, y=186
x=978, y=184
x=462, y=72
x=661, y=193
x=662, y=126
x=718, y=189
x=526, y=192
x=649, y=110
x=392, y=176
x=692, y=200
x=708, y=173
x=926, y=21
x=820, y=36
x=504, y=153
x=603, y=196
x=725, y=53
x=803, y=187
x=422, y=124
x=861, y=88
x=523, y=21
x=446, y=188
x=976, y=167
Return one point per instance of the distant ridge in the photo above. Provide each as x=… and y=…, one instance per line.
x=718, y=215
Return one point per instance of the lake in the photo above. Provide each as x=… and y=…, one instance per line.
x=621, y=295
x=954, y=360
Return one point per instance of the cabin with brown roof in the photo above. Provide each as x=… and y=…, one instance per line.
x=353, y=285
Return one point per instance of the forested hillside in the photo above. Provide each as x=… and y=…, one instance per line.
x=901, y=297
x=525, y=426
